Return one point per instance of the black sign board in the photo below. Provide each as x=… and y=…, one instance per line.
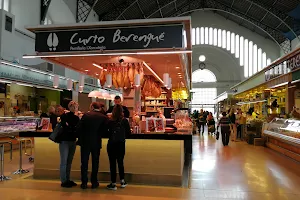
x=150, y=37
x=284, y=67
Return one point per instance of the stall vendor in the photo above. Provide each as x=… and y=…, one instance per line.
x=118, y=101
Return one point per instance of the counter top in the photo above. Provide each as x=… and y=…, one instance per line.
x=148, y=136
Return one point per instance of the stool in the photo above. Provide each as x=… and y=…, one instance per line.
x=2, y=143
x=21, y=141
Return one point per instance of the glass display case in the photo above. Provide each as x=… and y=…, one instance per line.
x=284, y=129
x=182, y=120
x=18, y=124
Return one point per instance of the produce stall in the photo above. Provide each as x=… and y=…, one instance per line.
x=145, y=60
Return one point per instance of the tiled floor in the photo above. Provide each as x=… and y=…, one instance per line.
x=240, y=171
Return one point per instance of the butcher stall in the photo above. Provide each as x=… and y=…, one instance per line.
x=146, y=60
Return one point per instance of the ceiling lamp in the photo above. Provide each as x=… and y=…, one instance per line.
x=166, y=79
x=169, y=83
x=81, y=80
x=95, y=94
x=69, y=84
x=202, y=58
x=108, y=80
x=55, y=81
x=137, y=80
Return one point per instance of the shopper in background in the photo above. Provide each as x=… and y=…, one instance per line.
x=67, y=146
x=239, y=116
x=211, y=123
x=202, y=121
x=232, y=119
x=92, y=126
x=52, y=116
x=225, y=125
x=119, y=129
x=118, y=101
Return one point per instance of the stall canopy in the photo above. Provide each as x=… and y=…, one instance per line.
x=160, y=45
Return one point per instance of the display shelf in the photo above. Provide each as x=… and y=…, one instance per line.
x=156, y=99
x=17, y=124
x=151, y=105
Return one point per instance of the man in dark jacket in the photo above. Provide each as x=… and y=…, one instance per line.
x=118, y=101
x=92, y=127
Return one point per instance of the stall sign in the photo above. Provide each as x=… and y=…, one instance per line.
x=97, y=39
x=283, y=67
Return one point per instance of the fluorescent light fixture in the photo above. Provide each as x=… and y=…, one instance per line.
x=5, y=81
x=249, y=102
x=151, y=70
x=38, y=71
x=86, y=70
x=14, y=65
x=42, y=87
x=109, y=54
x=97, y=66
x=24, y=84
x=281, y=84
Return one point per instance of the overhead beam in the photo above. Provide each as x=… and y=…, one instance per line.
x=83, y=10
x=159, y=9
x=44, y=9
x=141, y=9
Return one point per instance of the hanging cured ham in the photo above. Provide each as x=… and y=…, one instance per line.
x=141, y=72
x=151, y=87
x=114, y=77
x=131, y=73
x=127, y=83
x=120, y=77
x=102, y=77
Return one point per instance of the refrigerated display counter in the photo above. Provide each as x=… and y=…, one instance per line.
x=283, y=135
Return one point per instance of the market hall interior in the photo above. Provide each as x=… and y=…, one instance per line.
x=167, y=60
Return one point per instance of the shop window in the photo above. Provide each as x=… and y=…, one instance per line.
x=237, y=46
x=193, y=36
x=197, y=35
x=202, y=35
x=211, y=34
x=219, y=38
x=246, y=61
x=259, y=59
x=215, y=37
x=250, y=58
x=242, y=51
x=228, y=41
x=232, y=43
x=206, y=35
x=224, y=39
x=254, y=59
x=204, y=75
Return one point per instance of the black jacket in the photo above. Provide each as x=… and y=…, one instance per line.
x=125, y=111
x=124, y=124
x=69, y=122
x=92, y=127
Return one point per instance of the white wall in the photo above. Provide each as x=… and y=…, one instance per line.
x=211, y=19
x=26, y=13
x=295, y=43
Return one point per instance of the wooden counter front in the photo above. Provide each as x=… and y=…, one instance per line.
x=158, y=162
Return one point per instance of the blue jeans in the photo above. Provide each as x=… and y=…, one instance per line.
x=67, y=151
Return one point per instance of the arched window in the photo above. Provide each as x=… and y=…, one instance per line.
x=204, y=75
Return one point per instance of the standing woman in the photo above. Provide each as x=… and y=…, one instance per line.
x=119, y=129
x=67, y=146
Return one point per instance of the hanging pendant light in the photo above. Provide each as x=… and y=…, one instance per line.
x=108, y=80
x=55, y=81
x=166, y=79
x=69, y=84
x=81, y=81
x=169, y=84
x=137, y=80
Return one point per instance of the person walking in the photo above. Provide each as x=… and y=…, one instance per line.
x=67, y=145
x=92, y=126
x=225, y=125
x=201, y=121
x=232, y=119
x=119, y=130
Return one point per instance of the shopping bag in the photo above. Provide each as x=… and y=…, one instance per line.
x=217, y=135
x=56, y=134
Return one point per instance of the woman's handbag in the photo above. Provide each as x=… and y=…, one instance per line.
x=217, y=135
x=56, y=134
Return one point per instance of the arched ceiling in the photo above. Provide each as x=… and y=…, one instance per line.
x=277, y=19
